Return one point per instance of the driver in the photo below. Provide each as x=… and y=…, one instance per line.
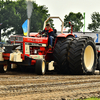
x=50, y=32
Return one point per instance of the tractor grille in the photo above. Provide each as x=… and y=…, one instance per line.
x=16, y=38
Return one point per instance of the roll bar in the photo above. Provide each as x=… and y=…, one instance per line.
x=53, y=18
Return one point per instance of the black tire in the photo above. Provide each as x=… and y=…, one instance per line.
x=3, y=68
x=40, y=68
x=9, y=67
x=60, y=54
x=82, y=56
x=98, y=66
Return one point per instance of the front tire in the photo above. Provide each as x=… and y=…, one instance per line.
x=82, y=56
x=3, y=68
x=40, y=67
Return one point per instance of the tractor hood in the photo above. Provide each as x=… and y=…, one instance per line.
x=21, y=39
x=43, y=40
x=33, y=34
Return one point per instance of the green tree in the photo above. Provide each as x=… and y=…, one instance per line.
x=95, y=25
x=14, y=13
x=6, y=10
x=39, y=15
x=75, y=19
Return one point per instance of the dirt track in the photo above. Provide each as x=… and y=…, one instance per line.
x=24, y=86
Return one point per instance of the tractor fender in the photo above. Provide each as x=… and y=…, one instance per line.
x=64, y=35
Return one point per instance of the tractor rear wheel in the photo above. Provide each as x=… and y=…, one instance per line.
x=98, y=65
x=40, y=67
x=3, y=68
x=60, y=55
x=82, y=56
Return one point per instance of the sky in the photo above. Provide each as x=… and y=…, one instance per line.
x=62, y=7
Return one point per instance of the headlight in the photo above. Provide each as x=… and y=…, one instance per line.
x=35, y=51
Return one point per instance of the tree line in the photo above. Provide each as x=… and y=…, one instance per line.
x=76, y=20
x=13, y=14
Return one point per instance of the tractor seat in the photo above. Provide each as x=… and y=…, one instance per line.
x=55, y=31
x=55, y=35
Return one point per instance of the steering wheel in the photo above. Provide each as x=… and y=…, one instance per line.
x=39, y=35
x=45, y=34
x=42, y=35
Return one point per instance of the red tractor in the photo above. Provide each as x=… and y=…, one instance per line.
x=69, y=55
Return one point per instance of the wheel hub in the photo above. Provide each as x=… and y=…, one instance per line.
x=5, y=68
x=43, y=67
x=89, y=57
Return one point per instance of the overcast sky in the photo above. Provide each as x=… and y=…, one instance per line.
x=62, y=7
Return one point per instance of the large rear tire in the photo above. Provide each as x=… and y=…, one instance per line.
x=98, y=65
x=82, y=56
x=60, y=55
x=40, y=67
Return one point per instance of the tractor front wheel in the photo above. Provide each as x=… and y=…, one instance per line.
x=40, y=67
x=3, y=68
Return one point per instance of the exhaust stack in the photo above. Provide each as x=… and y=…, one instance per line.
x=29, y=13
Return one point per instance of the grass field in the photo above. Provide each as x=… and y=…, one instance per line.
x=92, y=99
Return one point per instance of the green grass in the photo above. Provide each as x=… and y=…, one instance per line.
x=92, y=99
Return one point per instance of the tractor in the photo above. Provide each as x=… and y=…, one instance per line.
x=69, y=55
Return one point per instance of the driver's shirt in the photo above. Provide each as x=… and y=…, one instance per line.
x=50, y=31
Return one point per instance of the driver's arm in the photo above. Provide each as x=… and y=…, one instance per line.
x=43, y=31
